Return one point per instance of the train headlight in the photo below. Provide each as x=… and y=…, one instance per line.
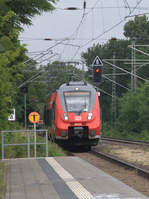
x=65, y=116
x=90, y=116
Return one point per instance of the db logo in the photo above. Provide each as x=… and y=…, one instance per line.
x=77, y=118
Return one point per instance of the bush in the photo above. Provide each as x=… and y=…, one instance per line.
x=133, y=110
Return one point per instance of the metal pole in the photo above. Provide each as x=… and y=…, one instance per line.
x=35, y=140
x=83, y=71
x=133, y=67
x=113, y=92
x=25, y=110
x=135, y=78
x=2, y=134
x=28, y=144
x=46, y=143
x=49, y=75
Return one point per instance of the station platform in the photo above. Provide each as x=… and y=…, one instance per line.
x=62, y=178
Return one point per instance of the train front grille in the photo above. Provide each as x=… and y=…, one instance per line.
x=79, y=132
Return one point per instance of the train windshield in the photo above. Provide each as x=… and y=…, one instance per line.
x=77, y=101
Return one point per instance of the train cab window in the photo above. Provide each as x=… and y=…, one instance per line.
x=77, y=101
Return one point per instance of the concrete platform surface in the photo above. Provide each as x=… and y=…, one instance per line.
x=62, y=178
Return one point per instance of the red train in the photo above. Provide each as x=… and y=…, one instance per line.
x=72, y=115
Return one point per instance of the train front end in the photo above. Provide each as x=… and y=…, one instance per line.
x=77, y=115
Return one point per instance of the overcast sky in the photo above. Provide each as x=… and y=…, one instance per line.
x=73, y=31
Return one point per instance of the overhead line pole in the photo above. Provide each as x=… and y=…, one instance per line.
x=25, y=112
x=113, y=92
x=133, y=68
x=105, y=61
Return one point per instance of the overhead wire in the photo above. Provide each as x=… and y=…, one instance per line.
x=44, y=53
x=84, y=16
x=113, y=65
x=111, y=7
x=102, y=15
x=82, y=23
x=34, y=76
x=138, y=15
x=127, y=5
x=109, y=29
x=119, y=11
x=77, y=28
x=105, y=92
x=115, y=82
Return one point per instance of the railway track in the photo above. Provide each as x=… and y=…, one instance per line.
x=142, y=143
x=140, y=171
x=132, y=175
x=113, y=159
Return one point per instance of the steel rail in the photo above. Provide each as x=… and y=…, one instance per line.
x=138, y=170
x=145, y=143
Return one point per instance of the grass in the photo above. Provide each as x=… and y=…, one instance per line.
x=113, y=133
x=21, y=151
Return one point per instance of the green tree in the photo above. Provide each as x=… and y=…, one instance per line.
x=137, y=29
x=58, y=73
x=13, y=14
x=25, y=10
x=5, y=88
x=11, y=56
x=134, y=111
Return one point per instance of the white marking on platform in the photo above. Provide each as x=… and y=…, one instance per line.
x=77, y=188
x=73, y=184
x=113, y=196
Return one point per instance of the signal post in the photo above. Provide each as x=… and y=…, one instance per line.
x=97, y=69
x=34, y=117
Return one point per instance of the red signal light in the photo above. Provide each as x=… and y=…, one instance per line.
x=97, y=70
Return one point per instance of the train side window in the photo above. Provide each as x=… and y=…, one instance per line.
x=50, y=117
x=47, y=116
x=45, y=119
x=53, y=111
